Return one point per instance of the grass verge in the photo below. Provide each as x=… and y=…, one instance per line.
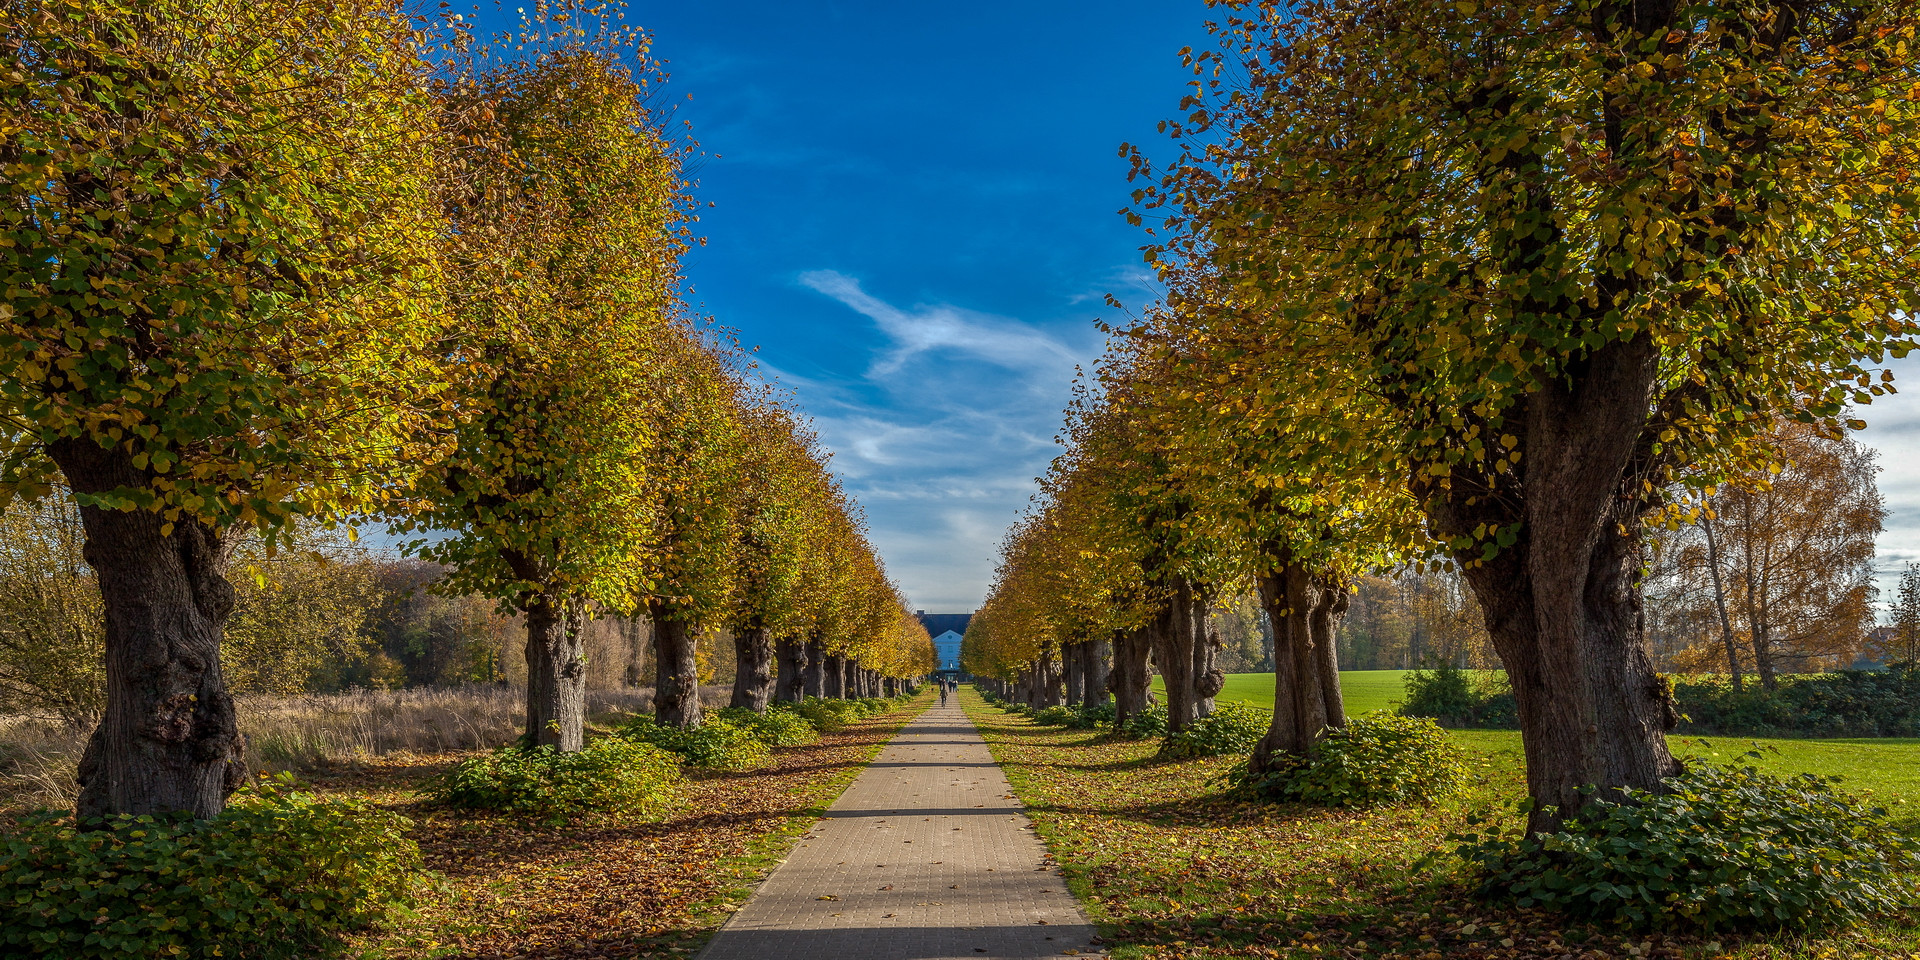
x=1169, y=867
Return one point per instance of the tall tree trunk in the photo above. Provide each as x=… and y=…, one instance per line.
x=168, y=739
x=1074, y=668
x=676, y=674
x=790, y=682
x=1720, y=603
x=1287, y=595
x=834, y=677
x=1327, y=614
x=1184, y=653
x=1756, y=622
x=633, y=630
x=1562, y=603
x=1265, y=623
x=1307, y=701
x=1093, y=671
x=1051, y=682
x=1129, y=679
x=816, y=669
x=556, y=673
x=753, y=668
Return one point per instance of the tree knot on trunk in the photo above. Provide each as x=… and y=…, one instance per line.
x=1211, y=683
x=172, y=720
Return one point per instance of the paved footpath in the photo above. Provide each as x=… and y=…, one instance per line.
x=927, y=856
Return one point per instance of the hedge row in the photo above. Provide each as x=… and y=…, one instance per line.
x=1849, y=703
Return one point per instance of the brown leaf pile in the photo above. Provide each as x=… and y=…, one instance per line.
x=609, y=888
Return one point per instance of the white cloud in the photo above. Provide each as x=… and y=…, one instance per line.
x=1007, y=343
x=941, y=437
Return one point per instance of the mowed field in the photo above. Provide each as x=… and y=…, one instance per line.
x=1885, y=770
x=1364, y=690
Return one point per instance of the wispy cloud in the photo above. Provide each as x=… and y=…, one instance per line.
x=925, y=329
x=942, y=435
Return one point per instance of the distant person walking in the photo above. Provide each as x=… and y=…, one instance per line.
x=943, y=693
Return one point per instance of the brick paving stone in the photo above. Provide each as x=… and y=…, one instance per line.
x=927, y=856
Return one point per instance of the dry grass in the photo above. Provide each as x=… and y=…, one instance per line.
x=307, y=733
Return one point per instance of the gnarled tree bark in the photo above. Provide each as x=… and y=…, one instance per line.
x=1184, y=652
x=556, y=673
x=1093, y=670
x=790, y=679
x=1129, y=680
x=676, y=675
x=816, y=669
x=1304, y=611
x=168, y=740
x=753, y=668
x=1074, y=669
x=1562, y=603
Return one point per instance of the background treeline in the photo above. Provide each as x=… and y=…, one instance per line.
x=320, y=615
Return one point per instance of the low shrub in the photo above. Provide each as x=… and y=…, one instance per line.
x=1151, y=722
x=716, y=744
x=816, y=712
x=1722, y=847
x=775, y=728
x=1377, y=758
x=1456, y=698
x=1230, y=728
x=610, y=775
x=1087, y=718
x=1053, y=716
x=279, y=874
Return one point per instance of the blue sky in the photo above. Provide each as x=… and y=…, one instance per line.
x=915, y=219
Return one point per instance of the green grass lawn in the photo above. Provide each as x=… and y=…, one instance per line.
x=1364, y=690
x=1173, y=868
x=1887, y=770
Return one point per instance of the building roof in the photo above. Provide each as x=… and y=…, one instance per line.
x=939, y=623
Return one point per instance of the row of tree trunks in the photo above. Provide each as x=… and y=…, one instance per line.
x=1185, y=653
x=1304, y=611
x=1129, y=680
